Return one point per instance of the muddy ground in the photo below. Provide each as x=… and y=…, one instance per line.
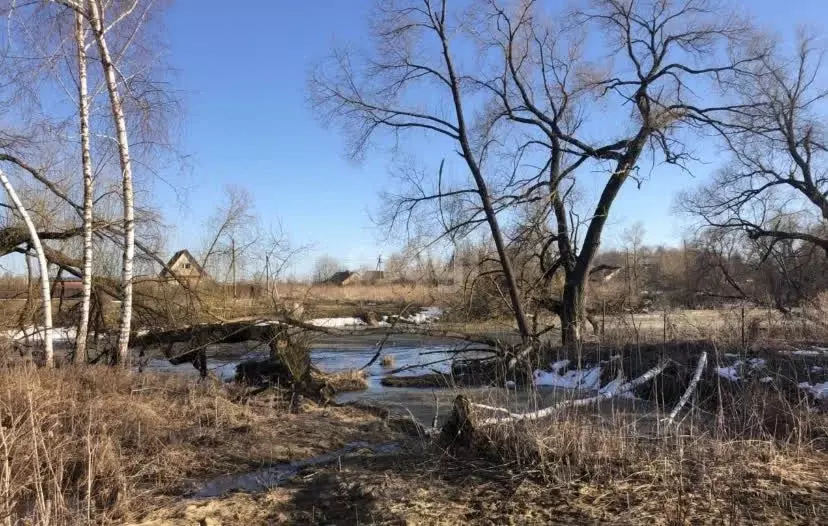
x=427, y=485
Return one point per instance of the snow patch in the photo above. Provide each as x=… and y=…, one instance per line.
x=425, y=316
x=818, y=391
x=734, y=372
x=588, y=379
x=36, y=334
x=756, y=363
x=611, y=389
x=729, y=373
x=808, y=352
x=766, y=379
x=557, y=366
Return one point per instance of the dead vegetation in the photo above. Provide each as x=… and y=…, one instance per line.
x=98, y=445
x=573, y=469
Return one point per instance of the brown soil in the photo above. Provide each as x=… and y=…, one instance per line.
x=430, y=487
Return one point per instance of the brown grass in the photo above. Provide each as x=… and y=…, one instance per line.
x=99, y=445
x=343, y=381
x=624, y=468
x=387, y=361
x=570, y=470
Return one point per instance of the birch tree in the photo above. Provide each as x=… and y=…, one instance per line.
x=88, y=189
x=95, y=16
x=45, y=290
x=93, y=11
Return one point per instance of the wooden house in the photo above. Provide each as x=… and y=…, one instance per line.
x=183, y=266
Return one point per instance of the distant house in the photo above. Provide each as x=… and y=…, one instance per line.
x=183, y=266
x=603, y=273
x=348, y=277
x=343, y=277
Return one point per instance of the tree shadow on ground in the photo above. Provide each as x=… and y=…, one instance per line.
x=423, y=487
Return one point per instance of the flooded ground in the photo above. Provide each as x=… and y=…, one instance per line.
x=410, y=357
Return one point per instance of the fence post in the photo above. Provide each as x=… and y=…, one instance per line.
x=744, y=343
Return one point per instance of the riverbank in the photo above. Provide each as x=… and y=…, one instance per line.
x=106, y=446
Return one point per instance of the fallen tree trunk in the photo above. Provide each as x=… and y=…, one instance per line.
x=199, y=336
x=689, y=391
x=543, y=413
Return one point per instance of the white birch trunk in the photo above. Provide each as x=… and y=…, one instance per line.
x=689, y=391
x=96, y=22
x=44, y=270
x=543, y=413
x=88, y=189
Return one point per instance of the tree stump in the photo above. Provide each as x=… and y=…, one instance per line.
x=459, y=430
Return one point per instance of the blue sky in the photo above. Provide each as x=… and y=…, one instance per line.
x=243, y=75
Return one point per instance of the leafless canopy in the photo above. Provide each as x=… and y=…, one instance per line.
x=775, y=186
x=535, y=101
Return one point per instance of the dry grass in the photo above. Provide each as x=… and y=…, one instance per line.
x=311, y=300
x=574, y=470
x=619, y=467
x=343, y=381
x=99, y=445
x=412, y=293
x=387, y=361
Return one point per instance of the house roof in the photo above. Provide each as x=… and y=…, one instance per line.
x=182, y=253
x=341, y=277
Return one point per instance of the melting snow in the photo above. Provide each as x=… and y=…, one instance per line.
x=819, y=391
x=560, y=364
x=427, y=315
x=808, y=352
x=730, y=373
x=589, y=378
x=756, y=363
x=612, y=388
x=734, y=372
x=35, y=334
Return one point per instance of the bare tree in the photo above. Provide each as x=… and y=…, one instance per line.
x=234, y=232
x=45, y=290
x=325, y=267
x=101, y=25
x=88, y=190
x=94, y=14
x=633, y=239
x=542, y=109
x=414, y=46
x=775, y=186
